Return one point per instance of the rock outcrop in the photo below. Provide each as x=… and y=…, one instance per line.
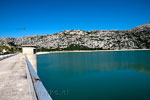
x=136, y=38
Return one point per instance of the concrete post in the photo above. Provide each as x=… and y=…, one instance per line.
x=30, y=52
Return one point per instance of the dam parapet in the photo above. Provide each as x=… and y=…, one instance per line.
x=6, y=56
x=37, y=91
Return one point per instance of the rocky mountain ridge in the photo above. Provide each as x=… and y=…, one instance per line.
x=136, y=38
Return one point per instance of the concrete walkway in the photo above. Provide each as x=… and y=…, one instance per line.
x=13, y=80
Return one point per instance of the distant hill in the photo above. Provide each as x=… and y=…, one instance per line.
x=136, y=38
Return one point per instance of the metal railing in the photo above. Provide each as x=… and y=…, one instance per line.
x=37, y=90
x=6, y=56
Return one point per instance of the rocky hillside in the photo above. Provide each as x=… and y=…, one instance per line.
x=136, y=38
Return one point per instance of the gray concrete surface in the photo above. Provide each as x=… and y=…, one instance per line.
x=13, y=79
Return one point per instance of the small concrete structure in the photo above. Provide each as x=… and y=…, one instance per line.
x=30, y=52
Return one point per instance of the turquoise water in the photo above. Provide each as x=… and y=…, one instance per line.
x=121, y=75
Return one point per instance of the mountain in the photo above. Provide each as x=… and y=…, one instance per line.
x=136, y=38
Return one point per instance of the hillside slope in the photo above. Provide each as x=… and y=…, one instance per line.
x=136, y=38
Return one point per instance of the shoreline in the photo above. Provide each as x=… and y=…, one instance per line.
x=39, y=53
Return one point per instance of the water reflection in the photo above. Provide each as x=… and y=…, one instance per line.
x=100, y=61
x=97, y=75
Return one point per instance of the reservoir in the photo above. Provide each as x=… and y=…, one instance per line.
x=121, y=75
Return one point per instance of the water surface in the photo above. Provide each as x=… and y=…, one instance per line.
x=123, y=75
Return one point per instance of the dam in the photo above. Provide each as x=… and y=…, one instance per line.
x=75, y=75
x=18, y=77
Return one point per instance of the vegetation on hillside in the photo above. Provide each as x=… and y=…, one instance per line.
x=70, y=47
x=7, y=50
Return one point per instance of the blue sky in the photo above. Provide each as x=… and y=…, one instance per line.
x=51, y=16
